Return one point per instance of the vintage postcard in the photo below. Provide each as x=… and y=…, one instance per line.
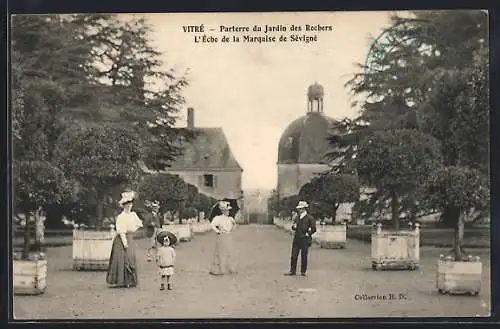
x=250, y=165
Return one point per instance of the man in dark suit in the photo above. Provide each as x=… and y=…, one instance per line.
x=304, y=227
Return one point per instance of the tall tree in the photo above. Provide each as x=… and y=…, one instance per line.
x=424, y=74
x=135, y=87
x=47, y=77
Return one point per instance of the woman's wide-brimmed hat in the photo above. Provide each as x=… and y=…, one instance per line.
x=128, y=196
x=302, y=204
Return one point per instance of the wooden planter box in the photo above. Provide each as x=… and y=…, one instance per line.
x=395, y=249
x=459, y=277
x=182, y=231
x=30, y=276
x=201, y=227
x=91, y=249
x=280, y=222
x=331, y=236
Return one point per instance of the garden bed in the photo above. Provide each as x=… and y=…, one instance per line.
x=435, y=237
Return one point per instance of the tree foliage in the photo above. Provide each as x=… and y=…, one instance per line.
x=47, y=78
x=169, y=190
x=457, y=186
x=398, y=159
x=428, y=72
x=39, y=184
x=100, y=156
x=135, y=89
x=202, y=202
x=326, y=192
x=456, y=190
x=396, y=163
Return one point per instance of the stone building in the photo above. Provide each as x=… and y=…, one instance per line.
x=303, y=145
x=208, y=163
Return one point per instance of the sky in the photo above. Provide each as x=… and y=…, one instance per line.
x=253, y=91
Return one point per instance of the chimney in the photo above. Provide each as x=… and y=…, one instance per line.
x=190, y=118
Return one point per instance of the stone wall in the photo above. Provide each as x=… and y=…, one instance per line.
x=226, y=183
x=291, y=177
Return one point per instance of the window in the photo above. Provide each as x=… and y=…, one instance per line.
x=208, y=180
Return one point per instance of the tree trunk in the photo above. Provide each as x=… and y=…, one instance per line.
x=99, y=210
x=459, y=238
x=27, y=236
x=39, y=230
x=181, y=211
x=395, y=210
x=334, y=213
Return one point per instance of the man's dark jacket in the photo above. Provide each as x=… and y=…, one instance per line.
x=304, y=225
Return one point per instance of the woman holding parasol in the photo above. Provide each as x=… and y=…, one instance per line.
x=223, y=223
x=216, y=210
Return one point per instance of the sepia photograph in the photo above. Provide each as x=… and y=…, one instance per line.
x=178, y=166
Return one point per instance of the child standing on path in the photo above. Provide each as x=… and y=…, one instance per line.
x=165, y=260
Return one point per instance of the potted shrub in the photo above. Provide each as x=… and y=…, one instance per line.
x=272, y=209
x=394, y=162
x=289, y=223
x=37, y=184
x=203, y=204
x=192, y=216
x=456, y=190
x=171, y=192
x=326, y=193
x=287, y=212
x=101, y=158
x=30, y=268
x=278, y=221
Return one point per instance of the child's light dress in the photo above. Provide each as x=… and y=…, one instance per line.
x=165, y=260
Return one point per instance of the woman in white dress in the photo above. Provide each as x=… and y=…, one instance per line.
x=122, y=269
x=223, y=225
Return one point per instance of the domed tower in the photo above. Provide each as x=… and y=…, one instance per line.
x=303, y=145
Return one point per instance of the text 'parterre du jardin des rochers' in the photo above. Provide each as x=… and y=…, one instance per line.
x=256, y=34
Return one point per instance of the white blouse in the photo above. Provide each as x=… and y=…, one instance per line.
x=127, y=222
x=223, y=224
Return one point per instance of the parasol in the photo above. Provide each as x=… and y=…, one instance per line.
x=215, y=211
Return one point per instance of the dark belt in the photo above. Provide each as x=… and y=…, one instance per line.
x=166, y=266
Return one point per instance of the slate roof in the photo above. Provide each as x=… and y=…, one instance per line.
x=305, y=139
x=208, y=150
